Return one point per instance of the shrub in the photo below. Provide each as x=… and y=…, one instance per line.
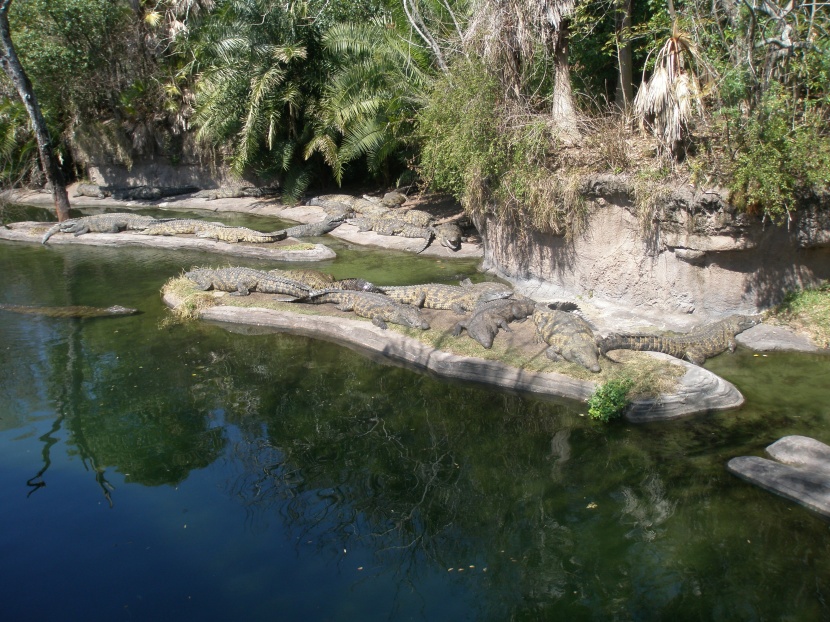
x=610, y=400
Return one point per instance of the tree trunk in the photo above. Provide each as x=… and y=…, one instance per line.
x=563, y=110
x=13, y=68
x=625, y=80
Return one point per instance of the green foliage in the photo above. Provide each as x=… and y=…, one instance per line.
x=610, y=400
x=492, y=155
x=808, y=310
x=781, y=154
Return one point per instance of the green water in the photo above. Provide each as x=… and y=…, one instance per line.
x=154, y=470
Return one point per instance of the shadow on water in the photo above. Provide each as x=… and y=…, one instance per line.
x=257, y=472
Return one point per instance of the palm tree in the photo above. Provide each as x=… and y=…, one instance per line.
x=252, y=91
x=368, y=106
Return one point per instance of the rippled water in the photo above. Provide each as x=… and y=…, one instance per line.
x=154, y=470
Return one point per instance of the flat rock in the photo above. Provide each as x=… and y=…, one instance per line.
x=767, y=338
x=800, y=471
x=699, y=389
x=32, y=232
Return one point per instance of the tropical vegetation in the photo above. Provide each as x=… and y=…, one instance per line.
x=504, y=104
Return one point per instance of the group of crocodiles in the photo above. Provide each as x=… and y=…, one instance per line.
x=385, y=216
x=147, y=225
x=371, y=215
x=491, y=306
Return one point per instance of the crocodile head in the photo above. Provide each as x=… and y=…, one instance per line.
x=411, y=317
x=119, y=310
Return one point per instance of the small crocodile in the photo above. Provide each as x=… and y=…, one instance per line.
x=453, y=297
x=239, y=234
x=449, y=234
x=483, y=325
x=393, y=199
x=315, y=229
x=242, y=281
x=568, y=335
x=377, y=307
x=179, y=226
x=695, y=346
x=394, y=226
x=100, y=223
x=75, y=311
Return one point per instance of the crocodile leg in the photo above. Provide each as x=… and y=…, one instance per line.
x=378, y=321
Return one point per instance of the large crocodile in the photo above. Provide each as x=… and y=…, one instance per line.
x=695, y=346
x=315, y=229
x=239, y=234
x=568, y=335
x=179, y=226
x=235, y=193
x=377, y=307
x=317, y=280
x=101, y=223
x=483, y=325
x=452, y=297
x=74, y=311
x=242, y=281
x=394, y=226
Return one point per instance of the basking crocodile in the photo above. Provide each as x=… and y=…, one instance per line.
x=453, y=297
x=101, y=223
x=394, y=226
x=235, y=193
x=393, y=199
x=242, y=281
x=416, y=217
x=239, y=234
x=568, y=335
x=377, y=307
x=91, y=190
x=75, y=311
x=449, y=234
x=371, y=209
x=483, y=325
x=695, y=346
x=317, y=280
x=345, y=199
x=179, y=226
x=315, y=229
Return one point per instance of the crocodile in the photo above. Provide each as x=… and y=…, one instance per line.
x=345, y=199
x=74, y=311
x=91, y=190
x=371, y=209
x=235, y=193
x=449, y=234
x=317, y=280
x=438, y=296
x=483, y=325
x=377, y=307
x=239, y=234
x=101, y=223
x=148, y=193
x=568, y=336
x=695, y=346
x=242, y=281
x=416, y=217
x=393, y=199
x=315, y=229
x=179, y=226
x=394, y=226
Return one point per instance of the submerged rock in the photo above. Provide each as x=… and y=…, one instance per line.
x=799, y=471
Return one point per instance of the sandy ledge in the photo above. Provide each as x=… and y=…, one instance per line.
x=699, y=390
x=32, y=232
x=256, y=207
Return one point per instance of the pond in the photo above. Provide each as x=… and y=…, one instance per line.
x=158, y=470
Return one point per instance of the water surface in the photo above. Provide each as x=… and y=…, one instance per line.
x=165, y=471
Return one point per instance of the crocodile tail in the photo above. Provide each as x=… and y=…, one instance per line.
x=615, y=341
x=426, y=245
x=52, y=231
x=562, y=305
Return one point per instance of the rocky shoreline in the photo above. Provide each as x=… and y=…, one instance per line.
x=697, y=390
